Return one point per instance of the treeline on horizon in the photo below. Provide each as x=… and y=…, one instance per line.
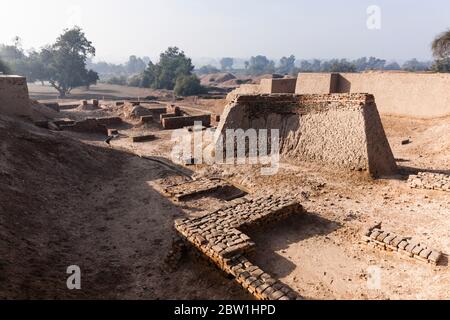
x=174, y=70
x=291, y=66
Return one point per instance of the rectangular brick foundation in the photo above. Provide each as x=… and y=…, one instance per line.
x=181, y=122
x=218, y=236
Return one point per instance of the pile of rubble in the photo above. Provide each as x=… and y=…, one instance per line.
x=389, y=241
x=216, y=235
x=431, y=181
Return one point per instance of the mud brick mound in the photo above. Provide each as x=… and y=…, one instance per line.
x=87, y=126
x=431, y=181
x=14, y=98
x=218, y=235
x=390, y=241
x=336, y=130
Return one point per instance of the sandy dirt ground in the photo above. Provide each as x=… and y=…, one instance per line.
x=101, y=208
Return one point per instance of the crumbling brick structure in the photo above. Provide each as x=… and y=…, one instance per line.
x=87, y=126
x=186, y=121
x=338, y=130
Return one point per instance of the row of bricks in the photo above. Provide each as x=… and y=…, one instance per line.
x=391, y=241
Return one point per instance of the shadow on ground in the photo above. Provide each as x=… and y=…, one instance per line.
x=278, y=237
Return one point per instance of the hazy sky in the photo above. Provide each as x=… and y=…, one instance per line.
x=237, y=28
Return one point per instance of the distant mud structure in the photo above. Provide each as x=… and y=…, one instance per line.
x=343, y=131
x=14, y=99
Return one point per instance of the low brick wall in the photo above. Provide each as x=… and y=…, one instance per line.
x=167, y=115
x=270, y=86
x=181, y=122
x=219, y=237
x=110, y=121
x=157, y=112
x=402, y=245
x=87, y=126
x=172, y=109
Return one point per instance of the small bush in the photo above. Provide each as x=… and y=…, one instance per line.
x=188, y=86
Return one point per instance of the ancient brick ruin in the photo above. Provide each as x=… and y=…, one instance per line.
x=219, y=236
x=266, y=86
x=185, y=121
x=14, y=98
x=338, y=130
x=404, y=246
x=92, y=125
x=430, y=181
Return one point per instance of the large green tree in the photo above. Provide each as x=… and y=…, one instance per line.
x=287, y=65
x=260, y=65
x=172, y=64
x=441, y=45
x=135, y=65
x=441, y=65
x=441, y=51
x=15, y=58
x=188, y=86
x=4, y=67
x=67, y=61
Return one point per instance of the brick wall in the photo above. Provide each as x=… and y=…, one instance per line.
x=181, y=122
x=14, y=98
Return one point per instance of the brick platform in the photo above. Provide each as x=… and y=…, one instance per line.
x=110, y=121
x=431, y=181
x=404, y=246
x=216, y=235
